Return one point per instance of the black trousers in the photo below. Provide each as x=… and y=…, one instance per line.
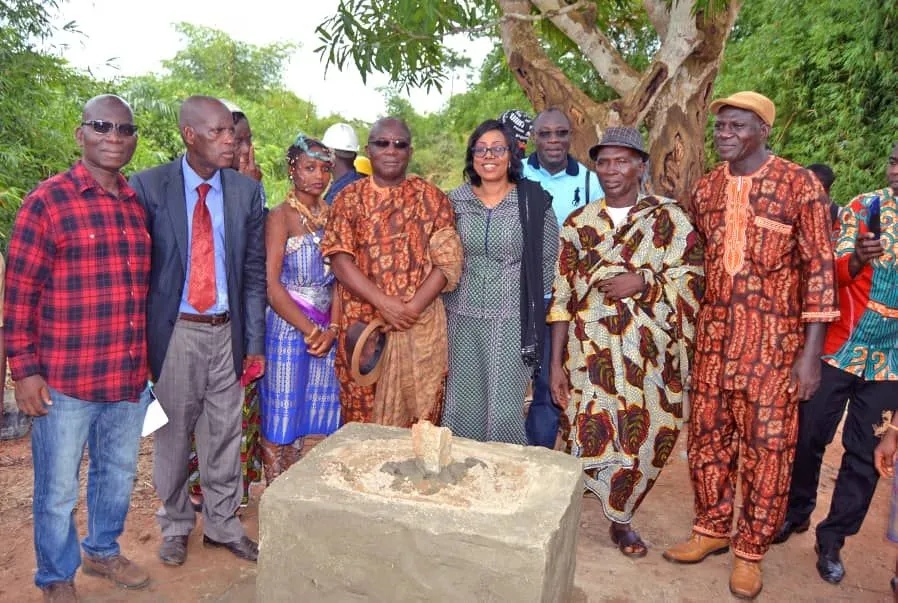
x=818, y=419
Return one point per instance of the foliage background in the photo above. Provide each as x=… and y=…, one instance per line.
x=827, y=64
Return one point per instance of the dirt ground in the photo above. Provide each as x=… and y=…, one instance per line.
x=602, y=573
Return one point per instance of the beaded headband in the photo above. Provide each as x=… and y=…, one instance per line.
x=304, y=143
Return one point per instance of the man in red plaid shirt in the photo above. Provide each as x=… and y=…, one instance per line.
x=76, y=287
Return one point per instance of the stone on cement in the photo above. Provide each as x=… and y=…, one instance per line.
x=500, y=526
x=432, y=446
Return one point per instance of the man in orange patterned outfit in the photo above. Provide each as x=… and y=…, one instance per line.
x=770, y=289
x=393, y=246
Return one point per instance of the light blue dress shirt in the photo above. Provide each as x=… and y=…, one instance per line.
x=215, y=203
x=567, y=187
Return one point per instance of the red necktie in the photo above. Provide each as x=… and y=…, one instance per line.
x=201, y=287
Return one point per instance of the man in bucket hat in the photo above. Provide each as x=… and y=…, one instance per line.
x=770, y=290
x=626, y=299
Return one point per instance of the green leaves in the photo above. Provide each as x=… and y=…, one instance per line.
x=837, y=58
x=401, y=38
x=36, y=102
x=223, y=63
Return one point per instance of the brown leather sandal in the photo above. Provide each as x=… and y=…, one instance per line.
x=628, y=542
x=272, y=460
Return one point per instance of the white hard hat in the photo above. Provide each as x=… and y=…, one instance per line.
x=341, y=137
x=231, y=106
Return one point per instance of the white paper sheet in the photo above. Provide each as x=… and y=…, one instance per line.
x=155, y=417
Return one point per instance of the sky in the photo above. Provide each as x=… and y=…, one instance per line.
x=115, y=40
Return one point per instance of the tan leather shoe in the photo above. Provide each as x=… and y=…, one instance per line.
x=745, y=581
x=696, y=549
x=60, y=592
x=118, y=569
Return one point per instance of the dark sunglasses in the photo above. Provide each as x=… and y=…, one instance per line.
x=105, y=127
x=549, y=134
x=382, y=143
x=497, y=151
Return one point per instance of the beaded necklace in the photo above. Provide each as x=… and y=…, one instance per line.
x=311, y=221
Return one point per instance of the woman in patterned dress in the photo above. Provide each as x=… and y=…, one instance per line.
x=299, y=391
x=487, y=376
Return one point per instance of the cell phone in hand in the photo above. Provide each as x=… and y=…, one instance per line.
x=873, y=217
x=252, y=372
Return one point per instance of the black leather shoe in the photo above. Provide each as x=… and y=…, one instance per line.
x=790, y=527
x=243, y=548
x=829, y=564
x=173, y=550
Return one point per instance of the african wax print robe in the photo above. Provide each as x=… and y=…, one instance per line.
x=768, y=270
x=628, y=359
x=864, y=341
x=396, y=236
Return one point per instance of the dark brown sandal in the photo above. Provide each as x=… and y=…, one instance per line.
x=628, y=542
x=272, y=460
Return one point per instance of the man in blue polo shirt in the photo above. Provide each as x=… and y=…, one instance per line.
x=571, y=185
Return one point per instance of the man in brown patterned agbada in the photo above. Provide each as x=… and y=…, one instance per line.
x=770, y=289
x=394, y=248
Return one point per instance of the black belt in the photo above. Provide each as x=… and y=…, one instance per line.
x=207, y=319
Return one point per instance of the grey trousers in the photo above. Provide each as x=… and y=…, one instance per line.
x=200, y=393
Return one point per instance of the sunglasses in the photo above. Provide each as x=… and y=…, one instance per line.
x=548, y=134
x=496, y=151
x=105, y=127
x=382, y=143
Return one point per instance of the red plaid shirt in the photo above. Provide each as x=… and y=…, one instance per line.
x=77, y=275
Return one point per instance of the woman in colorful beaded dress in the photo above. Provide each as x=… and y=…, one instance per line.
x=299, y=391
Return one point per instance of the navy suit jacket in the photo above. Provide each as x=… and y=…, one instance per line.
x=161, y=191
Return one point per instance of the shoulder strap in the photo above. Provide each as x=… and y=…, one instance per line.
x=587, y=199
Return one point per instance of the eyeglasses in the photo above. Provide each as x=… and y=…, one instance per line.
x=105, y=127
x=382, y=143
x=496, y=151
x=548, y=134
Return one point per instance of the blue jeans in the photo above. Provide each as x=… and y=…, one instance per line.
x=111, y=431
x=542, y=418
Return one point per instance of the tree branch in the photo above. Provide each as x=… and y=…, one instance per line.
x=658, y=15
x=544, y=83
x=594, y=45
x=548, y=14
x=682, y=37
x=486, y=27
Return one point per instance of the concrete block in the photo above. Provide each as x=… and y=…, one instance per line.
x=432, y=446
x=498, y=525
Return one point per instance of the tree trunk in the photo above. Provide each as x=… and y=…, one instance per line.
x=545, y=84
x=678, y=117
x=673, y=107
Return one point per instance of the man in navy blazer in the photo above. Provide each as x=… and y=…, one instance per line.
x=206, y=323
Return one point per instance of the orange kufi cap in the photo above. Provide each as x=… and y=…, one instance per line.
x=758, y=104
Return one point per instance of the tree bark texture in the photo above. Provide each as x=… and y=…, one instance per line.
x=670, y=98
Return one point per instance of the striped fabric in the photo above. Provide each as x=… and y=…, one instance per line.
x=299, y=393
